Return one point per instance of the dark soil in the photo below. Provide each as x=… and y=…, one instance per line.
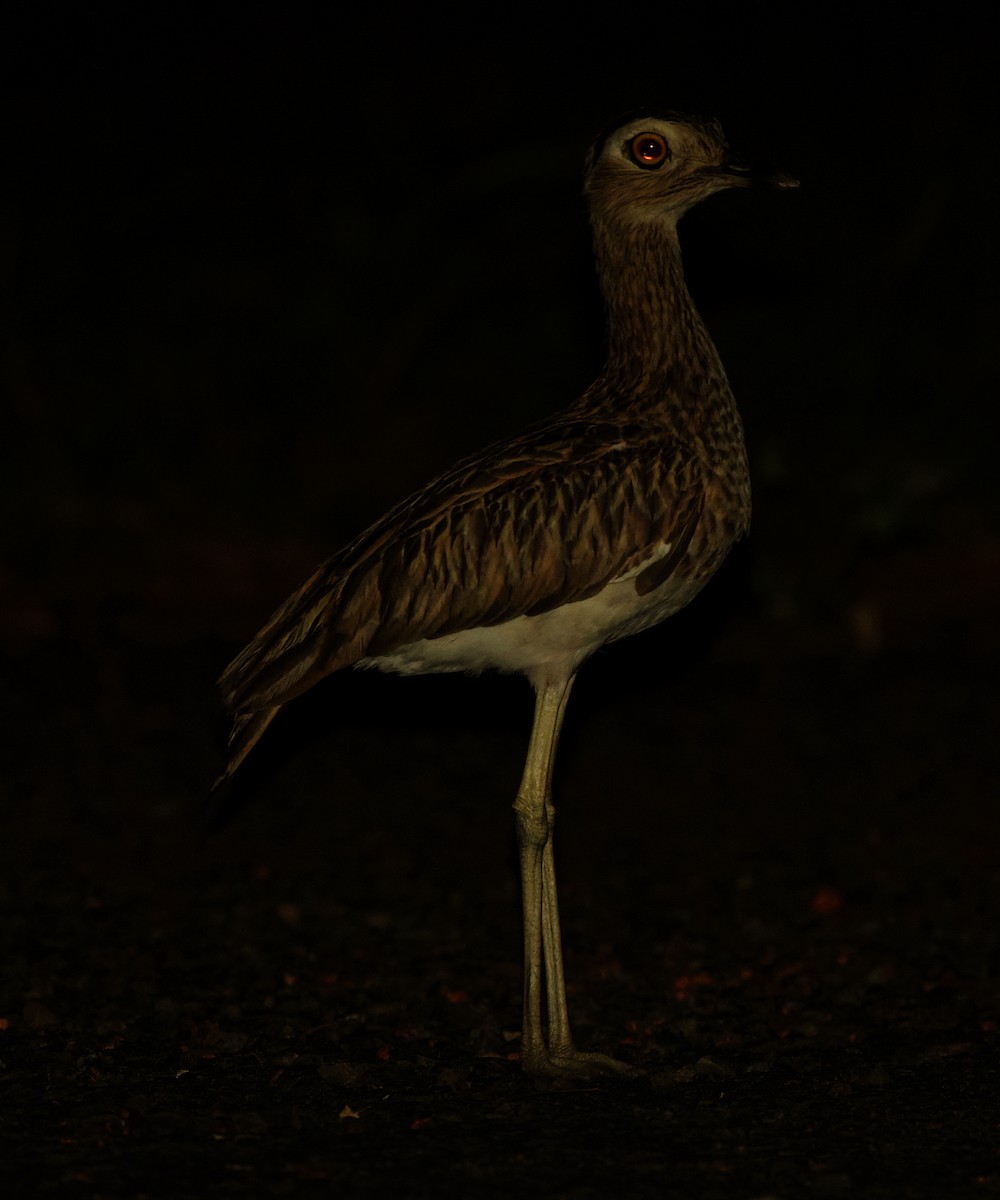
x=780, y=881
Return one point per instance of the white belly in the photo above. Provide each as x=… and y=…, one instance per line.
x=550, y=645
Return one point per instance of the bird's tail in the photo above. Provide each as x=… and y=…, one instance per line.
x=247, y=730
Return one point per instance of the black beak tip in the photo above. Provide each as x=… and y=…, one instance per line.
x=781, y=179
x=756, y=174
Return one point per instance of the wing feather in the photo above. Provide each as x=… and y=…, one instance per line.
x=517, y=530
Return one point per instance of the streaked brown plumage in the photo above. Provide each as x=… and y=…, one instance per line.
x=592, y=525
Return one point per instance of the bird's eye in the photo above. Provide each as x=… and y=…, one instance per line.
x=649, y=150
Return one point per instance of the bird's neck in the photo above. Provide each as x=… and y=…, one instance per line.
x=659, y=351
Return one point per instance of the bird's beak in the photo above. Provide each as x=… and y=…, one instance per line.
x=736, y=170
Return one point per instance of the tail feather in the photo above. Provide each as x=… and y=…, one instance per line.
x=247, y=730
x=285, y=659
x=262, y=678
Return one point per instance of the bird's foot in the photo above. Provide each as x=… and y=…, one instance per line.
x=570, y=1063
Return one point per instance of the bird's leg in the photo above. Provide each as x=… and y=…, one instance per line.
x=534, y=835
x=542, y=942
x=560, y=1038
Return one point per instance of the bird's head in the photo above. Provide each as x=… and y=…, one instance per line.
x=656, y=168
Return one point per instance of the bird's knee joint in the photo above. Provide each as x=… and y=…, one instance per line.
x=533, y=823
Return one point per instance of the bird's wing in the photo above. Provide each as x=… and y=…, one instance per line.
x=528, y=526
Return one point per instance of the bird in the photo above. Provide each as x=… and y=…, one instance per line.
x=591, y=525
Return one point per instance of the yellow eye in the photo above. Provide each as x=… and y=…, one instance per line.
x=649, y=150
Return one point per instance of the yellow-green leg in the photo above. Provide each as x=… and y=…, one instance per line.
x=542, y=943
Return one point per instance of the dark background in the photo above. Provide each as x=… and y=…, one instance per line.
x=265, y=274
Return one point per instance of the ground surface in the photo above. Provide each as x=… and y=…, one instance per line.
x=780, y=878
